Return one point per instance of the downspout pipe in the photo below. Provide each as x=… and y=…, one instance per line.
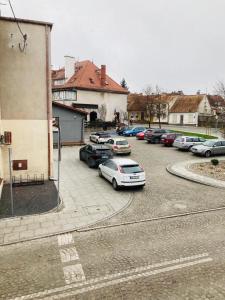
x=48, y=96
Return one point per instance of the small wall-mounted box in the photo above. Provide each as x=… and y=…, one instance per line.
x=19, y=165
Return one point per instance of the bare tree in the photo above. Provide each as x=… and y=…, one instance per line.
x=102, y=111
x=219, y=89
x=150, y=104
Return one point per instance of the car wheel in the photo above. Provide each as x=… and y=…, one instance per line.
x=100, y=173
x=114, y=184
x=157, y=141
x=207, y=154
x=91, y=163
x=130, y=134
x=81, y=158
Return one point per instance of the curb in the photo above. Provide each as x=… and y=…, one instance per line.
x=169, y=169
x=70, y=230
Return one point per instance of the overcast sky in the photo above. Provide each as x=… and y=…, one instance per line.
x=177, y=44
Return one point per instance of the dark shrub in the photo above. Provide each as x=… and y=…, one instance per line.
x=214, y=162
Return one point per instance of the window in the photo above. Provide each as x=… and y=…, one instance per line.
x=59, y=81
x=64, y=95
x=127, y=169
x=189, y=140
x=223, y=143
x=195, y=139
x=217, y=144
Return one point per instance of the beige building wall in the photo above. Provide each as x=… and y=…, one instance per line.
x=24, y=90
x=112, y=101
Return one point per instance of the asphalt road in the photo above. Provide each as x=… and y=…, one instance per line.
x=177, y=258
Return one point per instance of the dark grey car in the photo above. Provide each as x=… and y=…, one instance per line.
x=211, y=147
x=94, y=155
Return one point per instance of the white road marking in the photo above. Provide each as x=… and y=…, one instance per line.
x=73, y=273
x=65, y=239
x=116, y=278
x=128, y=278
x=68, y=254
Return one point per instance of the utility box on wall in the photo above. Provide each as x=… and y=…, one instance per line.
x=19, y=165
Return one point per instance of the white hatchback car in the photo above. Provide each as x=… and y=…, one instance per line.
x=122, y=172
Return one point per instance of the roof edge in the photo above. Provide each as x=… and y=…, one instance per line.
x=77, y=110
x=26, y=21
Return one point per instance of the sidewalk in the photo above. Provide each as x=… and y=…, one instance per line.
x=87, y=199
x=181, y=170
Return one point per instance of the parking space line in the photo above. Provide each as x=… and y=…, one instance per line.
x=65, y=239
x=73, y=273
x=68, y=254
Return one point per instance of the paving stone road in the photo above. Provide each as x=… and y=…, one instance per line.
x=179, y=258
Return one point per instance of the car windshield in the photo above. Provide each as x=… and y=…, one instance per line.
x=128, y=169
x=209, y=143
x=121, y=143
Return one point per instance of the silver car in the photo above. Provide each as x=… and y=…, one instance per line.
x=119, y=145
x=186, y=142
x=212, y=147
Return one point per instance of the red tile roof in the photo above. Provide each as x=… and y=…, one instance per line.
x=186, y=104
x=138, y=102
x=87, y=77
x=74, y=109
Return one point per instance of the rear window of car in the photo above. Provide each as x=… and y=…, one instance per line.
x=100, y=151
x=127, y=169
x=121, y=142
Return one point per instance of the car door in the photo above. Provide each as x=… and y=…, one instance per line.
x=110, y=143
x=88, y=152
x=218, y=148
x=106, y=169
x=223, y=147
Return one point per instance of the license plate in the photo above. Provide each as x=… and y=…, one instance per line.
x=134, y=177
x=105, y=156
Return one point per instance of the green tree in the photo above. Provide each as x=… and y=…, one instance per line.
x=124, y=84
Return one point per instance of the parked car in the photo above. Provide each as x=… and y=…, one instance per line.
x=122, y=172
x=121, y=129
x=133, y=131
x=154, y=135
x=209, y=148
x=119, y=145
x=167, y=139
x=94, y=155
x=100, y=137
x=186, y=142
x=141, y=135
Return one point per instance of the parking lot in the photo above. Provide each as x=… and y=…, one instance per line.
x=164, y=194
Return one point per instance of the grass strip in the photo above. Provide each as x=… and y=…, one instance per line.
x=205, y=136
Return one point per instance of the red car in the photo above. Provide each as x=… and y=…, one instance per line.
x=140, y=135
x=168, y=138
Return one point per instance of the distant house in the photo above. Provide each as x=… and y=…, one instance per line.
x=25, y=98
x=137, y=106
x=84, y=85
x=71, y=124
x=187, y=109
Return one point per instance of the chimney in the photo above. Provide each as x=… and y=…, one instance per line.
x=69, y=66
x=103, y=75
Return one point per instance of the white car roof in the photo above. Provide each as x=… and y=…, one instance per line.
x=124, y=161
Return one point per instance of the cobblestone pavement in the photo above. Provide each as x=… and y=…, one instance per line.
x=179, y=258
x=165, y=194
x=172, y=259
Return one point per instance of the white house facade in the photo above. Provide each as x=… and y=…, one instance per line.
x=84, y=85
